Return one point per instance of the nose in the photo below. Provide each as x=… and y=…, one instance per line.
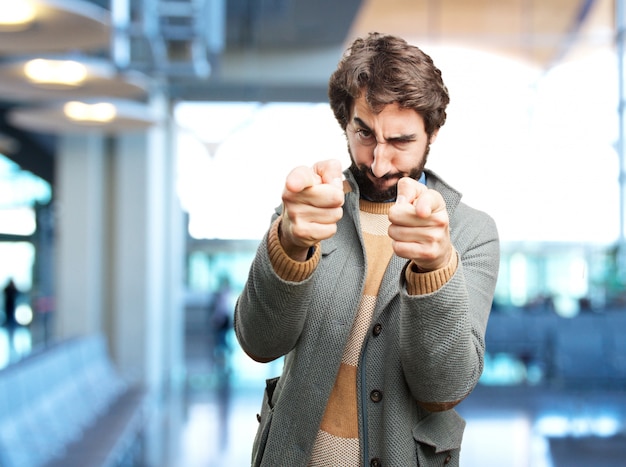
x=381, y=165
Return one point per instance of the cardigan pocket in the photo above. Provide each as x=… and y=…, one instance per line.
x=265, y=421
x=438, y=439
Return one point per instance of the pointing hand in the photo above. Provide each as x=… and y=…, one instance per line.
x=420, y=226
x=312, y=205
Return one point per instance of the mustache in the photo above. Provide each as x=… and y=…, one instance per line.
x=388, y=176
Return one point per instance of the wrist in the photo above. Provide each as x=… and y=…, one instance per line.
x=440, y=263
x=286, y=267
x=422, y=282
x=295, y=252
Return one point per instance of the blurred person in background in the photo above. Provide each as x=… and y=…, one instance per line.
x=11, y=293
x=375, y=284
x=221, y=321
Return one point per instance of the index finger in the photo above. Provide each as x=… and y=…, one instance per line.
x=301, y=178
x=424, y=200
x=329, y=171
x=409, y=190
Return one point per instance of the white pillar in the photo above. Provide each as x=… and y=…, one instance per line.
x=80, y=207
x=147, y=255
x=176, y=231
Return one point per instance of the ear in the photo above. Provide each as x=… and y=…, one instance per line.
x=433, y=137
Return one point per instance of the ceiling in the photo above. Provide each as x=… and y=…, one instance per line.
x=284, y=50
x=539, y=31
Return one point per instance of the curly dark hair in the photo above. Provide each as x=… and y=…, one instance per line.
x=388, y=69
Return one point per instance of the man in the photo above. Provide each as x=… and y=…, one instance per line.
x=376, y=289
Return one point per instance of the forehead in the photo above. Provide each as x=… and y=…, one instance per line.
x=390, y=117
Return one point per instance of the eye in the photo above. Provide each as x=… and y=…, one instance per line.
x=402, y=143
x=364, y=135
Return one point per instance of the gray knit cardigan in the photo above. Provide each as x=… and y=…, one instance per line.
x=421, y=351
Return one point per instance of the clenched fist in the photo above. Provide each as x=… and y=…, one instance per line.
x=312, y=205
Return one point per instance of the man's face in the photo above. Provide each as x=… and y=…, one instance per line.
x=385, y=147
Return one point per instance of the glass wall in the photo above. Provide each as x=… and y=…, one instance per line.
x=23, y=198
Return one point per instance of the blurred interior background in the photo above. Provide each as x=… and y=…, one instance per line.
x=143, y=145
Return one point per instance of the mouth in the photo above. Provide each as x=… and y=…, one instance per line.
x=373, y=188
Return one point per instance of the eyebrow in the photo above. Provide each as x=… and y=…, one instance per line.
x=399, y=138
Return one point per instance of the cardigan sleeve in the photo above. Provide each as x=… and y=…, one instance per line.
x=271, y=311
x=442, y=334
x=420, y=283
x=285, y=267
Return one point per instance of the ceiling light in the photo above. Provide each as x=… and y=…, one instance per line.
x=101, y=80
x=17, y=16
x=110, y=116
x=101, y=112
x=56, y=26
x=55, y=73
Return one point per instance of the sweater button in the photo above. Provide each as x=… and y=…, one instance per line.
x=376, y=395
x=375, y=462
x=378, y=328
x=447, y=459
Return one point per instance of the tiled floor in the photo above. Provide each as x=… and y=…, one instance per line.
x=203, y=425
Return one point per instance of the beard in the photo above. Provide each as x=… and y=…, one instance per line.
x=376, y=189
